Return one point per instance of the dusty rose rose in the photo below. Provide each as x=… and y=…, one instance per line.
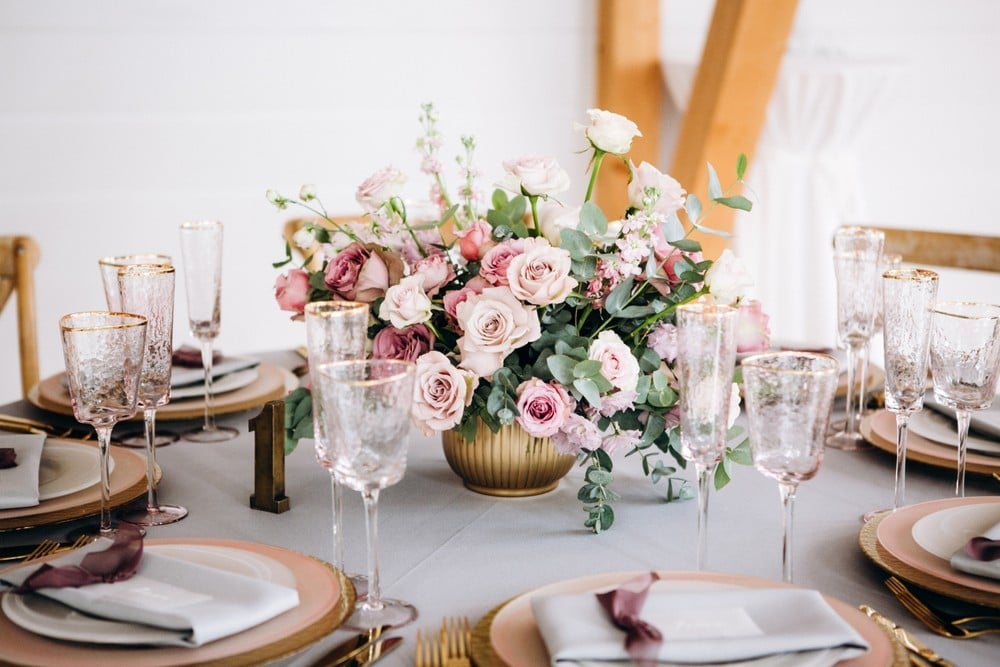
x=380, y=187
x=728, y=278
x=535, y=175
x=291, y=291
x=452, y=298
x=663, y=340
x=544, y=407
x=495, y=323
x=670, y=194
x=540, y=274
x=436, y=272
x=752, y=331
x=406, y=344
x=553, y=217
x=496, y=260
x=577, y=434
x=405, y=303
x=610, y=132
x=362, y=273
x=441, y=393
x=617, y=363
x=475, y=240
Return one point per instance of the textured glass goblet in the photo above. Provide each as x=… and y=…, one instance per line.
x=148, y=290
x=201, y=250
x=889, y=261
x=366, y=411
x=857, y=253
x=103, y=352
x=706, y=357
x=335, y=331
x=789, y=397
x=965, y=363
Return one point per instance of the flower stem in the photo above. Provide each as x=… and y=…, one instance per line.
x=534, y=214
x=598, y=158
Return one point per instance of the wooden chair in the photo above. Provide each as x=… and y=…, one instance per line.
x=959, y=251
x=18, y=258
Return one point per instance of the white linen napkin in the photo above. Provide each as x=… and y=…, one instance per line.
x=699, y=627
x=19, y=485
x=983, y=568
x=199, y=604
x=982, y=422
x=180, y=377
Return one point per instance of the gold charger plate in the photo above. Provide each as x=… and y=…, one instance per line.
x=326, y=597
x=879, y=428
x=271, y=384
x=128, y=482
x=515, y=617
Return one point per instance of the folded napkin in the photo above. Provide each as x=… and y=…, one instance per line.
x=699, y=627
x=984, y=422
x=189, y=356
x=181, y=377
x=193, y=603
x=19, y=484
x=981, y=555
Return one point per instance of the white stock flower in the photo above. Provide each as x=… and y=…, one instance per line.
x=307, y=192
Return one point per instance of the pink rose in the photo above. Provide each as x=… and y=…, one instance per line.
x=475, y=240
x=379, y=188
x=544, y=407
x=452, y=298
x=651, y=190
x=405, y=303
x=406, y=344
x=494, y=323
x=618, y=364
x=440, y=393
x=291, y=291
x=362, y=273
x=540, y=274
x=496, y=260
x=435, y=271
x=535, y=176
x=577, y=434
x=752, y=331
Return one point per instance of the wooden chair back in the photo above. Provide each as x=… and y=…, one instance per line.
x=19, y=256
x=959, y=251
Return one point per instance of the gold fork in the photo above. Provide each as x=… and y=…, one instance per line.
x=455, y=639
x=428, y=654
x=937, y=624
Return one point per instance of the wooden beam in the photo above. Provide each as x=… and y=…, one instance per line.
x=743, y=52
x=630, y=83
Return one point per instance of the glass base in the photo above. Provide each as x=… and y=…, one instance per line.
x=874, y=514
x=162, y=439
x=394, y=613
x=839, y=438
x=94, y=531
x=155, y=516
x=360, y=583
x=218, y=434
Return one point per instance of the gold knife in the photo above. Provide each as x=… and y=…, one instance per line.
x=911, y=643
x=351, y=646
x=363, y=656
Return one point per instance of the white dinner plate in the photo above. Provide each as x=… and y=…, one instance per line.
x=230, y=382
x=938, y=428
x=49, y=618
x=944, y=532
x=66, y=468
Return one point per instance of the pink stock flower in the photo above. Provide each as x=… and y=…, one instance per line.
x=362, y=273
x=540, y=274
x=617, y=402
x=663, y=340
x=668, y=195
x=622, y=440
x=440, y=393
x=752, y=331
x=475, y=240
x=406, y=344
x=496, y=260
x=291, y=291
x=544, y=407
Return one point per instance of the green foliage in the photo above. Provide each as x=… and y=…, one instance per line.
x=298, y=418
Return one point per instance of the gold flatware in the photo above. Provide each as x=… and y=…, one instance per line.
x=912, y=644
x=428, y=653
x=456, y=637
x=350, y=647
x=953, y=628
x=25, y=425
x=29, y=552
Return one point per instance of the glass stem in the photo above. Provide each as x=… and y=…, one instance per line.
x=963, y=417
x=704, y=480
x=206, y=362
x=788, y=505
x=374, y=598
x=863, y=351
x=902, y=428
x=337, y=524
x=149, y=415
x=103, y=443
x=850, y=424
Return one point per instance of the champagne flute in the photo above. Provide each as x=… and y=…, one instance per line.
x=148, y=290
x=789, y=397
x=965, y=363
x=335, y=331
x=706, y=357
x=857, y=252
x=109, y=278
x=103, y=352
x=201, y=250
x=366, y=411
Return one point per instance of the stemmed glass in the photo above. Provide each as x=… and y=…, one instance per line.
x=789, y=397
x=103, y=352
x=857, y=253
x=201, y=250
x=965, y=363
x=366, y=412
x=109, y=278
x=335, y=331
x=148, y=290
x=706, y=357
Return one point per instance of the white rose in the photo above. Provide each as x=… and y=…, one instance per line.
x=406, y=303
x=618, y=364
x=554, y=217
x=734, y=405
x=668, y=197
x=610, y=132
x=535, y=175
x=728, y=279
x=380, y=187
x=540, y=274
x=495, y=323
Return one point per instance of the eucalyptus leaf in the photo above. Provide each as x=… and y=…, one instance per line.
x=562, y=367
x=741, y=166
x=672, y=228
x=713, y=232
x=576, y=243
x=692, y=206
x=587, y=369
x=714, y=187
x=736, y=201
x=588, y=389
x=686, y=245
x=592, y=220
x=619, y=296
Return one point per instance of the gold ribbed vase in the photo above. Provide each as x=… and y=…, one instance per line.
x=507, y=463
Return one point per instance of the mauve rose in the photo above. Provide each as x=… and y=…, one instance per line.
x=618, y=365
x=671, y=194
x=291, y=291
x=494, y=323
x=610, y=132
x=577, y=434
x=380, y=187
x=435, y=271
x=728, y=279
x=535, y=175
x=544, y=407
x=752, y=331
x=553, y=217
x=496, y=260
x=406, y=344
x=362, y=273
x=440, y=393
x=452, y=298
x=475, y=240
x=405, y=303
x=540, y=274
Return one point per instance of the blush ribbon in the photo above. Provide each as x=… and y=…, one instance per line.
x=116, y=563
x=642, y=640
x=983, y=548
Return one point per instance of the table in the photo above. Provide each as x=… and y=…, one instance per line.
x=453, y=552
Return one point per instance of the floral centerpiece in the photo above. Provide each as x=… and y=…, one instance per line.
x=528, y=310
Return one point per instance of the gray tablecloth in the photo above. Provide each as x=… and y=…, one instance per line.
x=450, y=551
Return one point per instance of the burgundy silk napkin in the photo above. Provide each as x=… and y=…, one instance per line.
x=981, y=554
x=116, y=563
x=190, y=357
x=983, y=548
x=8, y=457
x=642, y=640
